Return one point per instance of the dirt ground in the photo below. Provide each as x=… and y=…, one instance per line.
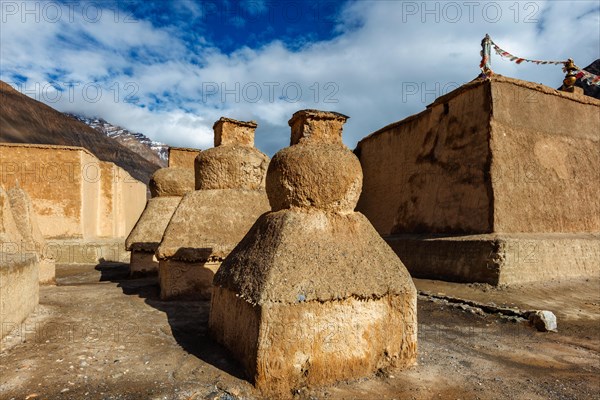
x=100, y=335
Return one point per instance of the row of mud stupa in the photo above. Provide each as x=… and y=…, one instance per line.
x=491, y=183
x=303, y=289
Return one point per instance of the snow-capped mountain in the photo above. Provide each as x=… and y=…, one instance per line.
x=155, y=152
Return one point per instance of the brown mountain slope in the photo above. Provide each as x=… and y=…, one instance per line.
x=25, y=120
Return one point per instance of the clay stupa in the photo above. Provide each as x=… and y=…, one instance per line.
x=167, y=187
x=210, y=221
x=312, y=294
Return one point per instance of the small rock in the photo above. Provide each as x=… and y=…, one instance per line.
x=544, y=321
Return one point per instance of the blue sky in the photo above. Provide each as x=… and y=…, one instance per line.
x=169, y=69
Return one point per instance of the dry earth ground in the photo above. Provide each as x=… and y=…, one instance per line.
x=100, y=335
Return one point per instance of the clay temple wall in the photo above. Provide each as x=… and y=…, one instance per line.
x=76, y=197
x=503, y=167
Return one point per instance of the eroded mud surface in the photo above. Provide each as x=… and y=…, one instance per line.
x=100, y=335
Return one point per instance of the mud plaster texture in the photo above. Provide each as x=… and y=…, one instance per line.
x=234, y=162
x=148, y=233
x=91, y=252
x=19, y=288
x=142, y=263
x=19, y=270
x=186, y=280
x=204, y=229
x=167, y=187
x=137, y=346
x=210, y=221
x=172, y=182
x=33, y=241
x=230, y=131
x=499, y=259
x=208, y=224
x=312, y=294
x=182, y=157
x=74, y=195
x=506, y=158
x=231, y=167
x=9, y=231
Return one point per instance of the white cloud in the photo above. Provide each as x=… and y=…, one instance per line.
x=382, y=50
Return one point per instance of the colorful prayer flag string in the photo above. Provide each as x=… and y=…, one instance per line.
x=519, y=60
x=588, y=77
x=486, y=68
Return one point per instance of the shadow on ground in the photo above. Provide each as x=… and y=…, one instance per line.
x=188, y=319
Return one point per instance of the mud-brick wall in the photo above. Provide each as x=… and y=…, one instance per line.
x=546, y=159
x=52, y=177
x=74, y=195
x=131, y=197
x=181, y=157
x=90, y=194
x=497, y=156
x=428, y=173
x=122, y=200
x=19, y=290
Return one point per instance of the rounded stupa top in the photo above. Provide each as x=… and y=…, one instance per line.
x=317, y=170
x=171, y=181
x=234, y=162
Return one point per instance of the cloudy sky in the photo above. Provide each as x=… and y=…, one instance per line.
x=169, y=69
